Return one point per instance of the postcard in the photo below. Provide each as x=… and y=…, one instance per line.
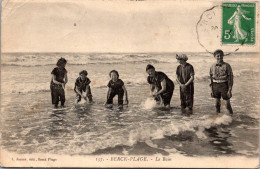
x=130, y=83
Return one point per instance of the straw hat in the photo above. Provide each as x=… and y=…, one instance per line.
x=181, y=57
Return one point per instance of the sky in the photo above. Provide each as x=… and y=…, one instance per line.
x=101, y=26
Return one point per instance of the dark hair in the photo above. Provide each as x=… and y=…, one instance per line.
x=149, y=66
x=116, y=72
x=61, y=61
x=218, y=51
x=83, y=72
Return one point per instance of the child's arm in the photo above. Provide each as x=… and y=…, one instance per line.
x=126, y=95
x=182, y=86
x=163, y=83
x=108, y=93
x=65, y=79
x=177, y=80
x=87, y=90
x=190, y=80
x=77, y=91
x=211, y=81
x=230, y=80
x=178, y=77
x=211, y=76
x=152, y=88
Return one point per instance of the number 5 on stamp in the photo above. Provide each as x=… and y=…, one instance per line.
x=238, y=23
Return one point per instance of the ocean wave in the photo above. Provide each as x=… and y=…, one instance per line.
x=88, y=62
x=31, y=60
x=138, y=79
x=148, y=132
x=81, y=59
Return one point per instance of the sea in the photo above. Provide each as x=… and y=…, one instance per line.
x=29, y=124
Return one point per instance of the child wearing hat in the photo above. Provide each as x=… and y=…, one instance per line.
x=116, y=87
x=82, y=88
x=58, y=82
x=185, y=77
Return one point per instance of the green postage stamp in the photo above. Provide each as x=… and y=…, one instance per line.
x=238, y=23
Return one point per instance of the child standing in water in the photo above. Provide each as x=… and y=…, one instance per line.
x=221, y=77
x=185, y=77
x=82, y=87
x=116, y=87
x=58, y=82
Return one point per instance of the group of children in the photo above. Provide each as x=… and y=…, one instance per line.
x=161, y=86
x=221, y=78
x=82, y=88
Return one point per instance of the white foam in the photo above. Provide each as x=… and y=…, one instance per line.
x=82, y=101
x=137, y=132
x=146, y=133
x=200, y=133
x=149, y=103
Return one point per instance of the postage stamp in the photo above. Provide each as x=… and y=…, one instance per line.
x=238, y=23
x=119, y=84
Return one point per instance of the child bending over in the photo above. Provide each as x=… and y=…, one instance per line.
x=82, y=87
x=116, y=87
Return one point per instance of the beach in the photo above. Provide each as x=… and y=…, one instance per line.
x=29, y=124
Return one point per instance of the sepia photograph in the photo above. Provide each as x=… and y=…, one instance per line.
x=139, y=83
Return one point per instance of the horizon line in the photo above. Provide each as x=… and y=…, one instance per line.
x=107, y=52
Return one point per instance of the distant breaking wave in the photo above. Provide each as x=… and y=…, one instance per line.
x=98, y=82
x=29, y=60
x=200, y=61
x=79, y=59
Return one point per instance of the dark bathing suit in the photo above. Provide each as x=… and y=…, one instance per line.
x=184, y=74
x=81, y=85
x=57, y=92
x=116, y=89
x=159, y=77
